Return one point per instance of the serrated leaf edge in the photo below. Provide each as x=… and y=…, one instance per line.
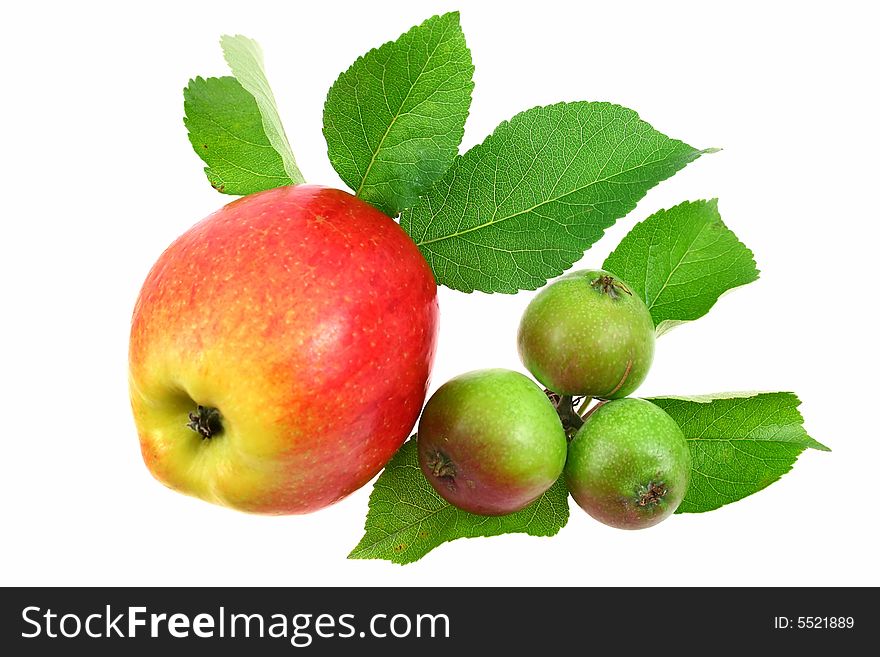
x=275, y=133
x=668, y=324
x=214, y=179
x=810, y=443
x=358, y=62
x=402, y=558
x=504, y=125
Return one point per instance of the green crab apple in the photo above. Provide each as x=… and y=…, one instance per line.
x=587, y=334
x=280, y=351
x=490, y=442
x=629, y=464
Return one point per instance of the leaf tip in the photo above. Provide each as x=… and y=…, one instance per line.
x=228, y=44
x=229, y=39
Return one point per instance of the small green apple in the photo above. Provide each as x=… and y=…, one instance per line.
x=587, y=334
x=490, y=442
x=629, y=464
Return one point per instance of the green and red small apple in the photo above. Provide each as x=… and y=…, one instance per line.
x=587, y=334
x=280, y=351
x=490, y=442
x=629, y=464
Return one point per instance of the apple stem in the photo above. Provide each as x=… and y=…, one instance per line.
x=592, y=410
x=571, y=420
x=205, y=422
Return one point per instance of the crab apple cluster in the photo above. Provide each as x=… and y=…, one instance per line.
x=492, y=441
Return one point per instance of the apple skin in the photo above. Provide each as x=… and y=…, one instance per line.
x=308, y=319
x=629, y=465
x=490, y=442
x=587, y=334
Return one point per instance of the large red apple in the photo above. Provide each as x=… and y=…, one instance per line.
x=280, y=351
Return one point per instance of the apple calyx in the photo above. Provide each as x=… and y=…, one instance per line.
x=205, y=422
x=652, y=494
x=610, y=286
x=442, y=467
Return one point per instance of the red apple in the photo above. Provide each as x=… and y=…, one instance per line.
x=280, y=351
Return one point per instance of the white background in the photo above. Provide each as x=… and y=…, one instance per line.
x=98, y=177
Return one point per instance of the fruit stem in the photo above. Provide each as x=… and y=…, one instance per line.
x=564, y=404
x=595, y=407
x=582, y=404
x=205, y=422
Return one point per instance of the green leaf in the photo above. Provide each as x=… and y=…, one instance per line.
x=525, y=204
x=681, y=260
x=226, y=130
x=245, y=59
x=394, y=120
x=407, y=518
x=740, y=443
